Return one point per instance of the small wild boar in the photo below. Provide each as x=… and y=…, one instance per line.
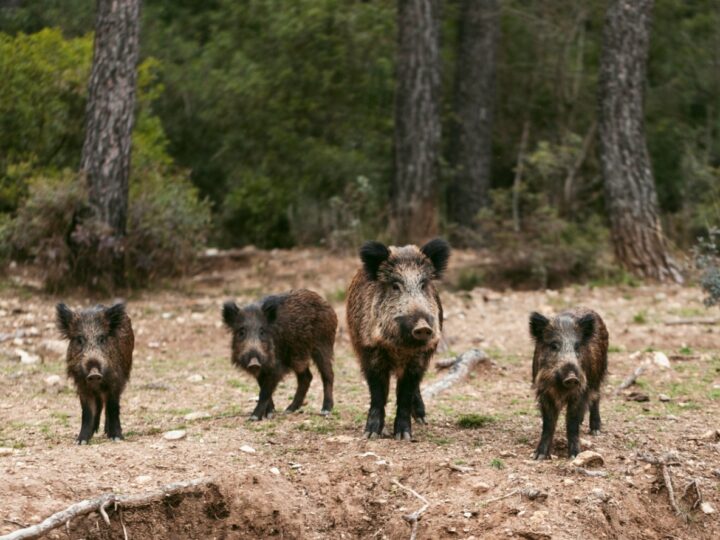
x=569, y=365
x=395, y=318
x=99, y=361
x=281, y=333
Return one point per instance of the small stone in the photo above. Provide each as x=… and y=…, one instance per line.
x=143, y=479
x=534, y=494
x=6, y=451
x=53, y=348
x=167, y=315
x=569, y=482
x=663, y=397
x=480, y=487
x=660, y=359
x=637, y=396
x=707, y=508
x=26, y=357
x=195, y=378
x=154, y=344
x=247, y=449
x=340, y=438
x=196, y=415
x=600, y=495
x=275, y=470
x=53, y=380
x=588, y=458
x=584, y=443
x=467, y=514
x=711, y=435
x=175, y=435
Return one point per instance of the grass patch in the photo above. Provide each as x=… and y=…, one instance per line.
x=615, y=349
x=337, y=296
x=475, y=421
x=685, y=350
x=640, y=317
x=497, y=463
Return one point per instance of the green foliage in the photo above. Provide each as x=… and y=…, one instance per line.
x=475, y=421
x=707, y=258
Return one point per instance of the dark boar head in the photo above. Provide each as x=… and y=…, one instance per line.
x=251, y=327
x=405, y=301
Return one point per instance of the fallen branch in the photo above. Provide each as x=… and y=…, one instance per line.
x=587, y=472
x=99, y=504
x=496, y=499
x=630, y=379
x=445, y=363
x=413, y=518
x=663, y=463
x=460, y=369
x=676, y=322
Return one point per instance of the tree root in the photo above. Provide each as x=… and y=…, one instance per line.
x=99, y=504
x=413, y=518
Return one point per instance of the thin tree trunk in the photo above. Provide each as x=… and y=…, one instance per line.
x=630, y=195
x=417, y=122
x=569, y=184
x=110, y=116
x=519, y=169
x=471, y=147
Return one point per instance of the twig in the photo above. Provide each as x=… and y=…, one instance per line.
x=460, y=369
x=663, y=463
x=496, y=499
x=630, y=379
x=460, y=468
x=413, y=518
x=98, y=504
x=445, y=363
x=675, y=322
x=586, y=472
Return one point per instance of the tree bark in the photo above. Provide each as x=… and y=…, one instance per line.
x=110, y=116
x=417, y=122
x=630, y=195
x=471, y=145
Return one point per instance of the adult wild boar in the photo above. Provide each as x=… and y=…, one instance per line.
x=569, y=366
x=99, y=361
x=395, y=318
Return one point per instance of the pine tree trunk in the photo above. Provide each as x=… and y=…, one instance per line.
x=110, y=116
x=471, y=145
x=630, y=195
x=417, y=122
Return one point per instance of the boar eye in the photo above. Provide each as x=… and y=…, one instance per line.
x=102, y=340
x=555, y=346
x=79, y=341
x=396, y=285
x=424, y=283
x=577, y=346
x=241, y=333
x=263, y=333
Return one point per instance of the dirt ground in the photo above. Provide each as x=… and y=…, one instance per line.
x=307, y=476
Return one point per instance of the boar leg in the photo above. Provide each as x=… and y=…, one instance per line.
x=418, y=407
x=595, y=422
x=575, y=414
x=113, y=430
x=407, y=388
x=265, y=405
x=324, y=362
x=378, y=380
x=304, y=378
x=549, y=411
x=88, y=405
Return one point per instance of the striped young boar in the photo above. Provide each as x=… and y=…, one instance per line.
x=395, y=318
x=99, y=361
x=279, y=334
x=569, y=366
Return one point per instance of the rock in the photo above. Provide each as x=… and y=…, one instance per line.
x=584, y=443
x=275, y=470
x=143, y=479
x=196, y=415
x=175, y=435
x=6, y=451
x=600, y=495
x=340, y=438
x=154, y=344
x=247, y=449
x=660, y=359
x=637, y=396
x=26, y=357
x=195, y=378
x=53, y=380
x=588, y=458
x=53, y=349
x=534, y=494
x=480, y=487
x=663, y=397
x=712, y=435
x=707, y=508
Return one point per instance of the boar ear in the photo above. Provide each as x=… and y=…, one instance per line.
x=586, y=323
x=64, y=319
x=231, y=314
x=538, y=323
x=373, y=254
x=270, y=306
x=438, y=251
x=115, y=316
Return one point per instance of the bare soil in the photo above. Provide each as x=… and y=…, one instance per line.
x=316, y=477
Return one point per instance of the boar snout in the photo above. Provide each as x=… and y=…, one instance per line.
x=422, y=330
x=416, y=327
x=571, y=381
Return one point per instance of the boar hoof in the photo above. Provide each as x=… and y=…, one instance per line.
x=325, y=412
x=594, y=432
x=269, y=415
x=82, y=441
x=117, y=439
x=253, y=418
x=404, y=436
x=540, y=457
x=420, y=420
x=372, y=435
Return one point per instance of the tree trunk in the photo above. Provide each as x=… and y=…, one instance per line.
x=417, y=122
x=110, y=116
x=471, y=145
x=630, y=195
